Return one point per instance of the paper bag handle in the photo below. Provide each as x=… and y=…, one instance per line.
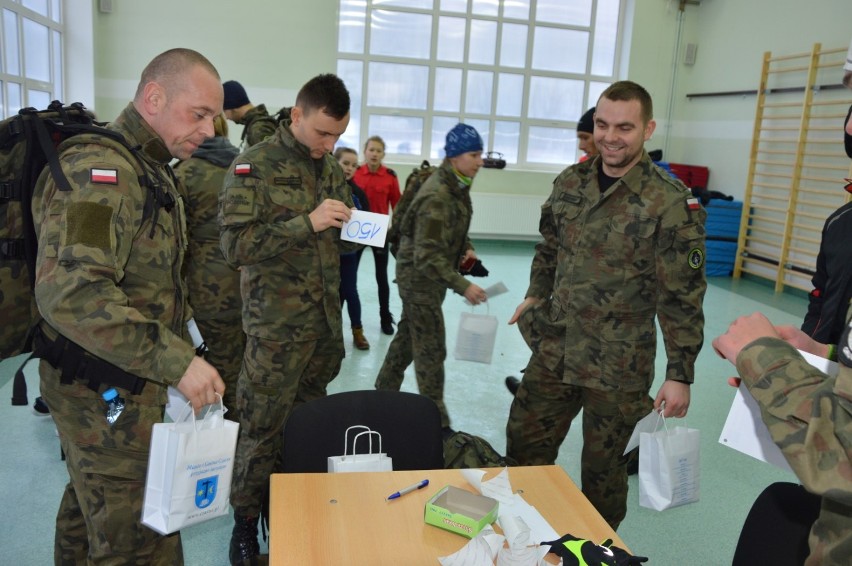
x=366, y=431
x=182, y=416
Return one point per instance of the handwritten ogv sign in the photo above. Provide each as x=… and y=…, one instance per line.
x=366, y=228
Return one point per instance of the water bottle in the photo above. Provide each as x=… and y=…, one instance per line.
x=115, y=405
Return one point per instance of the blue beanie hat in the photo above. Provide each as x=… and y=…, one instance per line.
x=462, y=139
x=235, y=95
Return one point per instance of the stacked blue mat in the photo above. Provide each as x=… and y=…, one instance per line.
x=723, y=228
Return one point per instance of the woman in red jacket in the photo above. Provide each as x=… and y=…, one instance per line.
x=382, y=189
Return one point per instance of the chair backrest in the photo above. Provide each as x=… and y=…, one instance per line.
x=410, y=425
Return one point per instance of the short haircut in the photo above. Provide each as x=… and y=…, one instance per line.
x=324, y=92
x=627, y=91
x=377, y=139
x=170, y=68
x=341, y=150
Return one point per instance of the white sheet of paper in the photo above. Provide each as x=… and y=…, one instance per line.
x=479, y=551
x=494, y=290
x=745, y=430
x=366, y=228
x=176, y=404
x=649, y=423
x=512, y=505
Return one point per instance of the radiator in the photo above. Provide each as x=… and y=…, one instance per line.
x=505, y=217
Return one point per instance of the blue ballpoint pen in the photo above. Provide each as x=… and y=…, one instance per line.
x=409, y=489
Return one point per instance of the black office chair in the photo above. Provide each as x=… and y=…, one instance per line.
x=410, y=425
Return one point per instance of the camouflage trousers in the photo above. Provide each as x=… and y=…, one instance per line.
x=275, y=377
x=226, y=343
x=421, y=338
x=99, y=518
x=541, y=415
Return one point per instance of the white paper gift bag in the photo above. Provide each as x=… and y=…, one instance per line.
x=365, y=462
x=669, y=467
x=189, y=470
x=476, y=337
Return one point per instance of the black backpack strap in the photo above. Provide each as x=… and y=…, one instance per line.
x=19, y=386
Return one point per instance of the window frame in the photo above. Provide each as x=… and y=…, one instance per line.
x=55, y=24
x=591, y=86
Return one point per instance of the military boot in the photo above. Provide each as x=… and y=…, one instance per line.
x=244, y=546
x=359, y=340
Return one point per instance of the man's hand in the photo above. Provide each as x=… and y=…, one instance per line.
x=329, y=214
x=675, y=395
x=801, y=341
x=743, y=331
x=475, y=294
x=528, y=302
x=200, y=384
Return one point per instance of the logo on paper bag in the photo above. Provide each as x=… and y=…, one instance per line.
x=205, y=491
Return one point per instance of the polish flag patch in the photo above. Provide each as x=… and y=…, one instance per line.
x=104, y=176
x=242, y=169
x=692, y=204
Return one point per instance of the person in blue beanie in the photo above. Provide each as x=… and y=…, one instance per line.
x=433, y=244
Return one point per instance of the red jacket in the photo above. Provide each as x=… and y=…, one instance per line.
x=382, y=187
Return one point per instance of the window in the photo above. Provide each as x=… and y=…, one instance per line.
x=522, y=72
x=30, y=54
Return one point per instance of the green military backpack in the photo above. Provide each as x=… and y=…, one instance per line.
x=413, y=183
x=465, y=450
x=28, y=144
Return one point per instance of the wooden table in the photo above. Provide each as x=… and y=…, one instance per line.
x=343, y=519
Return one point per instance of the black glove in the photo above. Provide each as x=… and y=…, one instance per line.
x=476, y=270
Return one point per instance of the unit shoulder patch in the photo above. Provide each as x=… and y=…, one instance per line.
x=695, y=258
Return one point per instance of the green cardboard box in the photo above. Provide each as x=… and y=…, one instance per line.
x=460, y=511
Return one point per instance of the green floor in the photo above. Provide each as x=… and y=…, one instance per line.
x=699, y=534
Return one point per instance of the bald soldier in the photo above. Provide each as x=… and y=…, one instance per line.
x=108, y=284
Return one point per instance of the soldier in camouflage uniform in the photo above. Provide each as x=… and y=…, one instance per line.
x=809, y=416
x=109, y=287
x=256, y=121
x=623, y=244
x=282, y=205
x=214, y=286
x=434, y=241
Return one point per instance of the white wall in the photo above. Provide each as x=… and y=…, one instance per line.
x=273, y=46
x=79, y=53
x=732, y=38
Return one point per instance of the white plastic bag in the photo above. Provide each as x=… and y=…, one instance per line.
x=367, y=462
x=476, y=337
x=669, y=467
x=189, y=470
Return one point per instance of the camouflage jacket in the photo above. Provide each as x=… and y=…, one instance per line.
x=105, y=278
x=214, y=286
x=809, y=416
x=434, y=238
x=257, y=125
x=608, y=265
x=290, y=274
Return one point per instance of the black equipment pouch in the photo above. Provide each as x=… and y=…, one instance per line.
x=494, y=160
x=81, y=365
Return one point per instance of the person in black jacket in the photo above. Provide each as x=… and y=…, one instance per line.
x=825, y=320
